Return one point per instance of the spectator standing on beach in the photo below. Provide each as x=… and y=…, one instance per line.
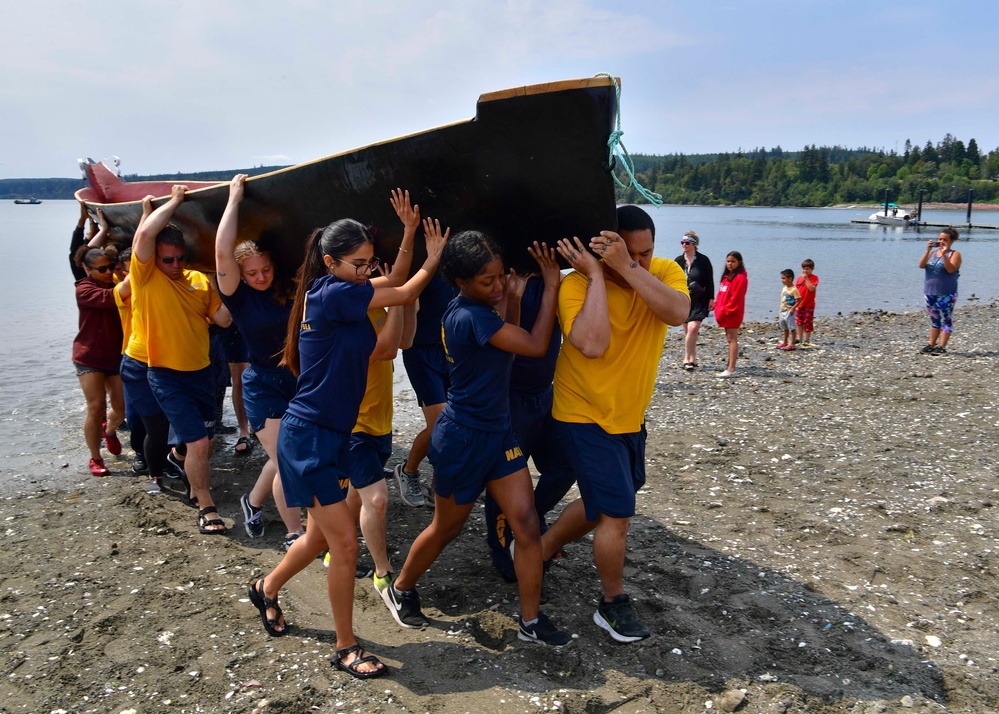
x=807, y=284
x=329, y=344
x=790, y=299
x=942, y=266
x=730, y=306
x=172, y=307
x=473, y=447
x=428, y=373
x=614, y=315
x=97, y=353
x=701, y=287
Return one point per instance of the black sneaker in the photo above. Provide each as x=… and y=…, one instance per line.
x=405, y=607
x=174, y=467
x=939, y=350
x=543, y=631
x=364, y=569
x=253, y=517
x=619, y=618
x=139, y=465
x=929, y=349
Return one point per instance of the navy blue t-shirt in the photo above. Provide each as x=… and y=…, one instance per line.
x=433, y=302
x=262, y=321
x=535, y=374
x=334, y=344
x=480, y=373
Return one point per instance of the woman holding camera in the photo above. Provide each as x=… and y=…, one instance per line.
x=943, y=267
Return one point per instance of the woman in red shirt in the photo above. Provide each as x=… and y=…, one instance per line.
x=97, y=353
x=730, y=306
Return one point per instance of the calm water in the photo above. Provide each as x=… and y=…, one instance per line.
x=41, y=407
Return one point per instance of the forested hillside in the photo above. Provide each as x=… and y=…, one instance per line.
x=821, y=176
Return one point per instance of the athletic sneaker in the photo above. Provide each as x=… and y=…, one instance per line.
x=929, y=349
x=725, y=374
x=253, y=517
x=363, y=569
x=504, y=565
x=174, y=467
x=619, y=618
x=290, y=538
x=404, y=606
x=111, y=441
x=409, y=487
x=139, y=465
x=382, y=582
x=940, y=350
x=97, y=468
x=542, y=631
x=153, y=487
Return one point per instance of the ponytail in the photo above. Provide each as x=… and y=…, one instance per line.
x=311, y=269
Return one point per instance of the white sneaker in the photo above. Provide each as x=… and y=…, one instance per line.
x=725, y=375
x=409, y=487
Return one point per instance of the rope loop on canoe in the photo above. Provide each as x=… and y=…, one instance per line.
x=618, y=153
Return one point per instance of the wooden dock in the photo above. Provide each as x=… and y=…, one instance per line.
x=959, y=226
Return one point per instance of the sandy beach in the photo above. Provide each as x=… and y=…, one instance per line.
x=818, y=534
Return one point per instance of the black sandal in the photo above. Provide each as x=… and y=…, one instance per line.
x=188, y=499
x=247, y=444
x=210, y=526
x=263, y=604
x=352, y=668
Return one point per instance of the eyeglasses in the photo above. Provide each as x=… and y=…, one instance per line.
x=102, y=268
x=170, y=261
x=369, y=267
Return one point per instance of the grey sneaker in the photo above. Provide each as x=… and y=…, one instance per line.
x=409, y=487
x=153, y=487
x=619, y=618
x=253, y=517
x=404, y=606
x=290, y=539
x=543, y=632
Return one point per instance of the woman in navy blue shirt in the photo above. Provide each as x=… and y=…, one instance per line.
x=473, y=446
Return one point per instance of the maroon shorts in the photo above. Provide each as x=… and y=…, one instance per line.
x=804, y=316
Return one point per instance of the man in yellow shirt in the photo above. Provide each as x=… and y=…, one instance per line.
x=614, y=315
x=171, y=308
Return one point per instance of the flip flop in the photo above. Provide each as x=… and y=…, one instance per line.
x=263, y=604
x=352, y=668
x=247, y=444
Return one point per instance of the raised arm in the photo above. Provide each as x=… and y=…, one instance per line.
x=668, y=304
x=411, y=289
x=387, y=346
x=144, y=244
x=515, y=339
x=226, y=267
x=590, y=331
x=410, y=217
x=98, y=240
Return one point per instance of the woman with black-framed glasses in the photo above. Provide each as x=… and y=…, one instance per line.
x=701, y=286
x=97, y=353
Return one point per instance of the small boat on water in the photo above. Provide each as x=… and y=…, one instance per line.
x=533, y=164
x=27, y=201
x=893, y=215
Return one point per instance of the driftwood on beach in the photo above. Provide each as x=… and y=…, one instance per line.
x=532, y=165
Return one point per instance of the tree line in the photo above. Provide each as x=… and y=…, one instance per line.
x=820, y=176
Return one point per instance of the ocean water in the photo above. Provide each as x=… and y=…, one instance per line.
x=861, y=267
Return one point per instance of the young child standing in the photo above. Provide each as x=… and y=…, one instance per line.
x=790, y=299
x=807, y=283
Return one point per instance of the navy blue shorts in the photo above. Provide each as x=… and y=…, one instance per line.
x=465, y=459
x=610, y=468
x=367, y=458
x=428, y=372
x=187, y=399
x=266, y=393
x=312, y=461
x=139, y=397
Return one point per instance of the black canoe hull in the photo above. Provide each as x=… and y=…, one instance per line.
x=531, y=165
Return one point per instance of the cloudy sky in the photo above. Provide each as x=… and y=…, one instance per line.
x=213, y=84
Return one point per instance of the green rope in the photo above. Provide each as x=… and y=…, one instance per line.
x=617, y=151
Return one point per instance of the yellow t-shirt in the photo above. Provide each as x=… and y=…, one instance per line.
x=375, y=414
x=612, y=391
x=170, y=317
x=125, y=315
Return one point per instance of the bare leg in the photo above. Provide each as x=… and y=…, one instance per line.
x=444, y=528
x=570, y=526
x=92, y=384
x=609, y=543
x=934, y=335
x=421, y=443
x=371, y=514
x=691, y=332
x=292, y=517
x=515, y=497
x=236, y=370
x=116, y=395
x=199, y=471
x=732, y=335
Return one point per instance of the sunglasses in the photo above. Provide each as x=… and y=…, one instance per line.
x=103, y=268
x=170, y=261
x=687, y=242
